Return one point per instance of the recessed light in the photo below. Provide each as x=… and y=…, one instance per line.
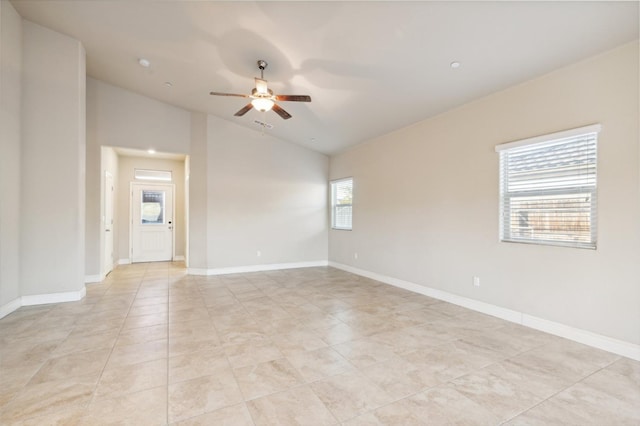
x=151, y=151
x=144, y=62
x=455, y=64
x=312, y=139
x=168, y=83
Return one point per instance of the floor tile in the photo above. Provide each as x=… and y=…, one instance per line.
x=364, y=352
x=501, y=397
x=297, y=406
x=400, y=378
x=147, y=407
x=118, y=379
x=43, y=398
x=349, y=394
x=139, y=352
x=198, y=396
x=72, y=365
x=65, y=417
x=443, y=406
x=324, y=362
x=235, y=415
x=152, y=345
x=267, y=378
x=251, y=353
x=197, y=364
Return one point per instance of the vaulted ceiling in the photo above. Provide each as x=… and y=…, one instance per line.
x=370, y=67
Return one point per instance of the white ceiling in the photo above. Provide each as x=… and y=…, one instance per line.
x=370, y=67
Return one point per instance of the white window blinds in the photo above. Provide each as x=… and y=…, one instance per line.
x=341, y=204
x=548, y=189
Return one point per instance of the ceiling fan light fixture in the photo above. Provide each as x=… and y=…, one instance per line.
x=262, y=104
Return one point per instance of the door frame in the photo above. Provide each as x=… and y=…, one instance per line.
x=173, y=207
x=107, y=268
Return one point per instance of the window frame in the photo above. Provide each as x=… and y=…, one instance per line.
x=549, y=191
x=334, y=205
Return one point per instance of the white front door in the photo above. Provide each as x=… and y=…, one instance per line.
x=108, y=223
x=151, y=222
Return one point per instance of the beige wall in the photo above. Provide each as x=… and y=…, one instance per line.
x=52, y=207
x=197, y=187
x=126, y=168
x=426, y=201
x=10, y=119
x=263, y=194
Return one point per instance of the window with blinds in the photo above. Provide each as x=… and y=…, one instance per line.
x=341, y=204
x=548, y=189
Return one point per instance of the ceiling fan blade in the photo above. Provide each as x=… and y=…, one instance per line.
x=261, y=86
x=282, y=113
x=228, y=94
x=293, y=98
x=244, y=110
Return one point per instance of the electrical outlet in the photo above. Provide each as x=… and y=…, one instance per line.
x=355, y=255
x=476, y=281
x=258, y=253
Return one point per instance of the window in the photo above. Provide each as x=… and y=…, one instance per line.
x=341, y=199
x=158, y=175
x=152, y=208
x=548, y=189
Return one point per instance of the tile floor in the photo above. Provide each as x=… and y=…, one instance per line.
x=317, y=346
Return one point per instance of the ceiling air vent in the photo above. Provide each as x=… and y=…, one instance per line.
x=263, y=124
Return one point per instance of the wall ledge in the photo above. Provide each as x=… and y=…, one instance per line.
x=619, y=347
x=256, y=268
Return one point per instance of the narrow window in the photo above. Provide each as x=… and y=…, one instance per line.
x=157, y=175
x=548, y=189
x=341, y=204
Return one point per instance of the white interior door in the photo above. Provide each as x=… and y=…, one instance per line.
x=151, y=222
x=108, y=223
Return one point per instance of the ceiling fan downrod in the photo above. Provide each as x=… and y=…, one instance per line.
x=262, y=64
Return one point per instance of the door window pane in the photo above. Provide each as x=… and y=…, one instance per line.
x=152, y=209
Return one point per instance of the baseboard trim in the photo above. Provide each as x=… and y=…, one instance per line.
x=589, y=338
x=595, y=340
x=124, y=261
x=91, y=279
x=7, y=308
x=178, y=258
x=42, y=299
x=256, y=268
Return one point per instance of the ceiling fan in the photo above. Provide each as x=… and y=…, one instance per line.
x=263, y=99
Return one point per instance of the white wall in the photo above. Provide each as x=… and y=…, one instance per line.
x=121, y=118
x=126, y=168
x=198, y=242
x=53, y=162
x=426, y=201
x=10, y=119
x=263, y=194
